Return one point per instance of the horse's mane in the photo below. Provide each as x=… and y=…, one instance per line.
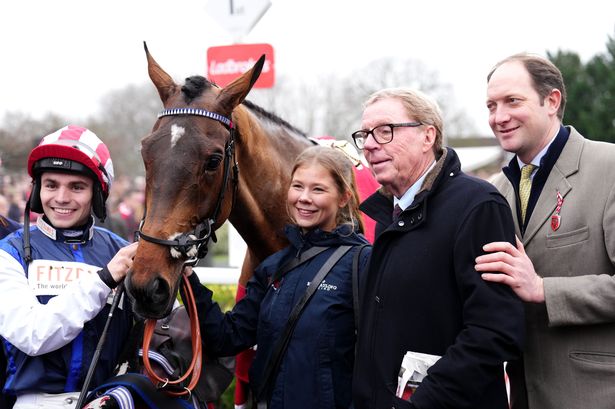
x=272, y=117
x=197, y=84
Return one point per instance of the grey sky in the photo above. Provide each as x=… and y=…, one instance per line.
x=63, y=55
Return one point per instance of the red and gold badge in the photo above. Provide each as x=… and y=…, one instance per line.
x=556, y=219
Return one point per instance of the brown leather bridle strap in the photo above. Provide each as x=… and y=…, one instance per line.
x=194, y=369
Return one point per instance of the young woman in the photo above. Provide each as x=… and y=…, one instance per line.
x=316, y=366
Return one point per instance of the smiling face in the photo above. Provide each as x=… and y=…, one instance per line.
x=521, y=122
x=314, y=199
x=401, y=162
x=66, y=198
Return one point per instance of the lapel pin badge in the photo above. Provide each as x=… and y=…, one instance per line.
x=556, y=219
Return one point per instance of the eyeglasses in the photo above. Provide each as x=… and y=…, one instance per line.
x=382, y=133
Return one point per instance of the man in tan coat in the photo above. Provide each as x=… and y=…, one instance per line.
x=564, y=261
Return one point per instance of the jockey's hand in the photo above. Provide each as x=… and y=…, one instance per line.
x=122, y=262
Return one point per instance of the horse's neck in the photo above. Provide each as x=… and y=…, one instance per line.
x=265, y=157
x=262, y=234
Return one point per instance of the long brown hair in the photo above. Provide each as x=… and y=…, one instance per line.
x=341, y=170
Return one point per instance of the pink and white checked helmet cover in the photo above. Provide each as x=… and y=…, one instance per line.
x=80, y=145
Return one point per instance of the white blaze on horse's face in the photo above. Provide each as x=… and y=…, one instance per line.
x=176, y=133
x=176, y=253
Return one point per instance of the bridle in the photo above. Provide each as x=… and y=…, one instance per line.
x=193, y=245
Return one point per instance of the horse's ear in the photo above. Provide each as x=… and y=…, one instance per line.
x=234, y=93
x=163, y=81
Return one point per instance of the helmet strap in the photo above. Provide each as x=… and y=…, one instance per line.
x=27, y=249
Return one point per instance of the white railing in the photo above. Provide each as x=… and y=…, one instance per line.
x=218, y=275
x=226, y=275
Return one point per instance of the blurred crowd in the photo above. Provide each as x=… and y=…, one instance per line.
x=124, y=206
x=14, y=190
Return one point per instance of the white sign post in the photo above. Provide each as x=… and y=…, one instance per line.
x=238, y=17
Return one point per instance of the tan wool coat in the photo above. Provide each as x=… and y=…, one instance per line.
x=570, y=351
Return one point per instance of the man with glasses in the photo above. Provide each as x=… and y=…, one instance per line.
x=423, y=305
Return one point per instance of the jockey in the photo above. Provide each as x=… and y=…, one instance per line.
x=57, y=277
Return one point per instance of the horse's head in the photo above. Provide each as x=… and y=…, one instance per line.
x=191, y=177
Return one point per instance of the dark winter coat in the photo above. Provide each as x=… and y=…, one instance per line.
x=423, y=294
x=316, y=371
x=64, y=369
x=7, y=226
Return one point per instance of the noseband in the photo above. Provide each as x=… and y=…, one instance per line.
x=193, y=245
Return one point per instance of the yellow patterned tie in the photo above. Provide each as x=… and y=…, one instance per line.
x=525, y=185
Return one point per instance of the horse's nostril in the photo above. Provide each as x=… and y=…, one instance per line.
x=151, y=299
x=157, y=291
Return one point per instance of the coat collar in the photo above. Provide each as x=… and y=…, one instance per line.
x=557, y=181
x=547, y=162
x=77, y=235
x=379, y=206
x=342, y=235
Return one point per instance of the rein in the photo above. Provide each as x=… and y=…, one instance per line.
x=193, y=246
x=194, y=370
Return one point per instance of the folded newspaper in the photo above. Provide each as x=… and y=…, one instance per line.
x=413, y=370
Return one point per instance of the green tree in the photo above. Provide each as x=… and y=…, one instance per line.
x=591, y=91
x=601, y=72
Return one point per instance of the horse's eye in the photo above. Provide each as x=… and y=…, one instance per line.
x=213, y=162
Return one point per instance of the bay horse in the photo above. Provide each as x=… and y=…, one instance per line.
x=211, y=156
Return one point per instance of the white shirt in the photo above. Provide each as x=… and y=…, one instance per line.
x=408, y=197
x=536, y=160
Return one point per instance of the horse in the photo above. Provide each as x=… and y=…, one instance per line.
x=211, y=156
